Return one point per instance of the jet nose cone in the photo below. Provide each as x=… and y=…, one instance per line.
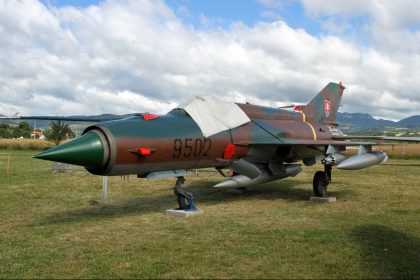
x=87, y=150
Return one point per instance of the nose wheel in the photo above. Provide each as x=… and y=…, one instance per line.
x=185, y=198
x=321, y=181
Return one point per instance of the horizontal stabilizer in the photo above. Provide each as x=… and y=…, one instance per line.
x=378, y=138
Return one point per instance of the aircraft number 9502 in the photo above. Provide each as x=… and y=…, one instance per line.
x=190, y=147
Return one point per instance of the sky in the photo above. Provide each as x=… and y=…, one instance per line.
x=63, y=57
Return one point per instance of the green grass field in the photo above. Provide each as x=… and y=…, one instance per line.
x=54, y=226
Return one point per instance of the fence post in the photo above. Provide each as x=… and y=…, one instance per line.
x=8, y=165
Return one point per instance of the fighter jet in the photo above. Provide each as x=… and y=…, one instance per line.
x=260, y=144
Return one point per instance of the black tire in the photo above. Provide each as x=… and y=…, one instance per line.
x=320, y=184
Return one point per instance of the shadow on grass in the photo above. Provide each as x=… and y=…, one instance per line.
x=388, y=253
x=203, y=194
x=287, y=190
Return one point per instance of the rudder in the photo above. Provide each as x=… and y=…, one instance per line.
x=324, y=107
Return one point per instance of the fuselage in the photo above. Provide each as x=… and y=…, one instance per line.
x=259, y=143
x=176, y=142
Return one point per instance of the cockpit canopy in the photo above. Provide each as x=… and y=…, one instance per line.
x=214, y=116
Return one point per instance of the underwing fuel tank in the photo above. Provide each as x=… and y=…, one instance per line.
x=363, y=160
x=240, y=181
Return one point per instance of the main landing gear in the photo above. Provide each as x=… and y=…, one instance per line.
x=185, y=198
x=321, y=181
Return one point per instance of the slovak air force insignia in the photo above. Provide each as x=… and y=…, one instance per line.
x=327, y=107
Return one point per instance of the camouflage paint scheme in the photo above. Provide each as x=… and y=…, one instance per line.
x=268, y=147
x=176, y=142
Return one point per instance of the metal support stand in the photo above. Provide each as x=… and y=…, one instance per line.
x=8, y=165
x=185, y=198
x=104, y=188
x=327, y=170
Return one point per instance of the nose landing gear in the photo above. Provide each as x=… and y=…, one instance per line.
x=321, y=181
x=185, y=198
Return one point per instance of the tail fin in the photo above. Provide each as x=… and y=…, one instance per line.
x=324, y=107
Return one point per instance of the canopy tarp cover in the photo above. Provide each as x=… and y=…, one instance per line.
x=214, y=116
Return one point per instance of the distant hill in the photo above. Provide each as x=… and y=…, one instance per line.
x=361, y=121
x=365, y=123
x=413, y=121
x=7, y=121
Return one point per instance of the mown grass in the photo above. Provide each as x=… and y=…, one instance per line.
x=54, y=226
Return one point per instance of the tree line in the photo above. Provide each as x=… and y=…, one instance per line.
x=23, y=129
x=57, y=132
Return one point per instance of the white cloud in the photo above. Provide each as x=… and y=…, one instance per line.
x=388, y=22
x=335, y=27
x=133, y=56
x=337, y=7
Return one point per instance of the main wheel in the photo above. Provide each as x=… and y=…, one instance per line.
x=320, y=183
